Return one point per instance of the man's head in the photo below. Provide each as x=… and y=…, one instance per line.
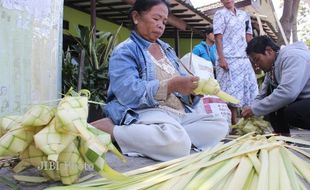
x=262, y=52
x=209, y=36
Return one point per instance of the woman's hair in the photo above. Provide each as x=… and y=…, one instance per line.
x=207, y=31
x=145, y=5
x=258, y=45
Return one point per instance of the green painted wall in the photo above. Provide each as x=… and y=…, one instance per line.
x=76, y=17
x=184, y=44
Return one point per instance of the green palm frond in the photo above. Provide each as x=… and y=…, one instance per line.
x=98, y=49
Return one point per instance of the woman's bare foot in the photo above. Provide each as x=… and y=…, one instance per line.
x=105, y=125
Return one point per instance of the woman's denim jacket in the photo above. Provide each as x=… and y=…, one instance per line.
x=133, y=83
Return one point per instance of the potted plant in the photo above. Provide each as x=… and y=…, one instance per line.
x=85, y=66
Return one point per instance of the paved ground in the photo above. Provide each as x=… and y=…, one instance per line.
x=131, y=164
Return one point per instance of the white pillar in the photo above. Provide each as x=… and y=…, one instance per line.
x=30, y=53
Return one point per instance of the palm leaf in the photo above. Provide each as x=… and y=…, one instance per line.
x=110, y=46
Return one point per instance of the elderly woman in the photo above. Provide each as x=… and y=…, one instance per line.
x=149, y=99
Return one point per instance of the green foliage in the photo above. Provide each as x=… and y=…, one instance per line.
x=69, y=72
x=303, y=21
x=94, y=72
x=308, y=43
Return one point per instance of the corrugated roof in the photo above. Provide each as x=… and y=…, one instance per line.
x=183, y=15
x=253, y=7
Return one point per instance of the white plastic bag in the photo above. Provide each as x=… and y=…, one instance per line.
x=211, y=105
x=199, y=66
x=214, y=105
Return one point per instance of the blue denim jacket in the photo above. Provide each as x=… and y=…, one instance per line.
x=133, y=83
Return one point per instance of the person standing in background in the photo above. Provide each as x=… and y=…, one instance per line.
x=235, y=74
x=206, y=48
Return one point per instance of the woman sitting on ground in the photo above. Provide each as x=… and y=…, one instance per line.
x=150, y=99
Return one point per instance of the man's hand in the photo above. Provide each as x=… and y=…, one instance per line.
x=247, y=112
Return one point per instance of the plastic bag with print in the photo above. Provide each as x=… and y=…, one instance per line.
x=211, y=105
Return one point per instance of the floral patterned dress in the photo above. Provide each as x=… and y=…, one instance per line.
x=240, y=80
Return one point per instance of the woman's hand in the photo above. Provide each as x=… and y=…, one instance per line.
x=182, y=84
x=247, y=112
x=223, y=64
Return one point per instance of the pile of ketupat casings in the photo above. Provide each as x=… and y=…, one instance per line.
x=251, y=124
x=249, y=162
x=244, y=126
x=58, y=140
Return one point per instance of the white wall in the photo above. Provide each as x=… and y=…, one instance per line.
x=30, y=53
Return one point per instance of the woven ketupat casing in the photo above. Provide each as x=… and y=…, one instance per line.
x=71, y=109
x=37, y=115
x=35, y=157
x=71, y=164
x=94, y=154
x=16, y=140
x=7, y=122
x=52, y=142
